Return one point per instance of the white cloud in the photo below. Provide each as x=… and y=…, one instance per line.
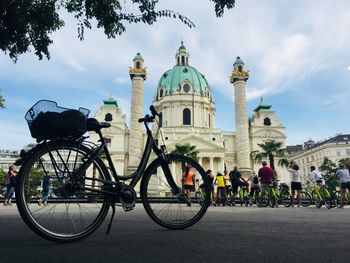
x=76, y=65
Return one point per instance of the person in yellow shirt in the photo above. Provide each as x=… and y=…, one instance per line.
x=220, y=190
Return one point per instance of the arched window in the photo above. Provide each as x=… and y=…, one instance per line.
x=138, y=64
x=108, y=117
x=186, y=116
x=186, y=88
x=161, y=93
x=267, y=122
x=178, y=60
x=182, y=60
x=240, y=68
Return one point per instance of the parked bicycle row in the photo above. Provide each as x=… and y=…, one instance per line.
x=262, y=190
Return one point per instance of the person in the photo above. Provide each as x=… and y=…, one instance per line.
x=228, y=187
x=343, y=175
x=211, y=186
x=188, y=181
x=10, y=181
x=237, y=181
x=315, y=176
x=254, y=186
x=46, y=189
x=220, y=190
x=295, y=183
x=265, y=174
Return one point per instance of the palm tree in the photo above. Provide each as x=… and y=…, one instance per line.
x=185, y=150
x=270, y=150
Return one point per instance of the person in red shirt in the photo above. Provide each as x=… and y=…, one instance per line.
x=266, y=175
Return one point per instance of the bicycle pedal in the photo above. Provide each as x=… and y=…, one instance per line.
x=127, y=209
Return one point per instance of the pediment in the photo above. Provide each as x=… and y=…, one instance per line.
x=201, y=144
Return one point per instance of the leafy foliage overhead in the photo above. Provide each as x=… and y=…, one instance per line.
x=25, y=24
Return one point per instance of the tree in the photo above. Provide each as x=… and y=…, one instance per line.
x=328, y=169
x=2, y=104
x=270, y=150
x=25, y=24
x=186, y=150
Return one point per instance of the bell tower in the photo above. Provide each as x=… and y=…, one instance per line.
x=239, y=78
x=138, y=75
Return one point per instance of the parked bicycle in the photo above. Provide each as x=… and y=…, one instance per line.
x=243, y=195
x=86, y=187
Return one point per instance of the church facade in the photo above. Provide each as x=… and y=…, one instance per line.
x=184, y=97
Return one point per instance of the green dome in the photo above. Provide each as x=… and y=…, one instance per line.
x=238, y=61
x=173, y=79
x=138, y=57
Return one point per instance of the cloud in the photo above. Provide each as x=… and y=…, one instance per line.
x=76, y=65
x=348, y=68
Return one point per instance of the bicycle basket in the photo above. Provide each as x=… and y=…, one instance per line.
x=48, y=121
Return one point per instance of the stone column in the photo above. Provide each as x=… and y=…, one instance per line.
x=239, y=78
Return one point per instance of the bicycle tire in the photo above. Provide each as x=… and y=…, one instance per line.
x=272, y=199
x=286, y=198
x=71, y=214
x=327, y=198
x=317, y=200
x=165, y=208
x=306, y=199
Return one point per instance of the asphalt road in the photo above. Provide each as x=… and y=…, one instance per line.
x=225, y=234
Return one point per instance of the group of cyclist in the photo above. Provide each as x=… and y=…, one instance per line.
x=227, y=184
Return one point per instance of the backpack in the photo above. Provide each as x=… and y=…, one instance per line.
x=256, y=180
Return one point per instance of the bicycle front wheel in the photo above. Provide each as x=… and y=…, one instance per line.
x=169, y=209
x=329, y=201
x=67, y=211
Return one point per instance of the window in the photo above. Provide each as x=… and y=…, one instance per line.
x=267, y=122
x=182, y=60
x=186, y=116
x=186, y=88
x=108, y=117
x=138, y=64
x=161, y=93
x=338, y=152
x=348, y=152
x=240, y=68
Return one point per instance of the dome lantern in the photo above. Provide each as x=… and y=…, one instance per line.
x=182, y=55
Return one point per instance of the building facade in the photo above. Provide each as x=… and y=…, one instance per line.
x=184, y=97
x=313, y=154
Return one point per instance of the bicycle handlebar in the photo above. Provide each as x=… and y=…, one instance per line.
x=149, y=118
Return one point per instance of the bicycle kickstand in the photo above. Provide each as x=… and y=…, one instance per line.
x=112, y=217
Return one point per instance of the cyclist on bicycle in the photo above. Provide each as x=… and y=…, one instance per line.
x=315, y=176
x=220, y=190
x=343, y=175
x=237, y=181
x=211, y=184
x=254, y=186
x=188, y=181
x=266, y=176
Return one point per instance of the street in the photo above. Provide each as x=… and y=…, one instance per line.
x=225, y=234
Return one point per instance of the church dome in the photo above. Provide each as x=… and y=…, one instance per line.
x=182, y=78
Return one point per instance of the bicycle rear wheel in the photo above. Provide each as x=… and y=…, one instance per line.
x=286, y=198
x=162, y=205
x=71, y=211
x=306, y=199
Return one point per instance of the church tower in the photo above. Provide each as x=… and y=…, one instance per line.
x=138, y=75
x=239, y=78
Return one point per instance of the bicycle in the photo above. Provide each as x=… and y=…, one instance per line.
x=321, y=195
x=86, y=187
x=243, y=195
x=200, y=193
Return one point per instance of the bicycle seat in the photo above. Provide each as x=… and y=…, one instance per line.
x=94, y=125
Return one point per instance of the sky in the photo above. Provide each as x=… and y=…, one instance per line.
x=297, y=53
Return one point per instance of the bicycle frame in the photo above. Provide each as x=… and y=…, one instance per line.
x=136, y=176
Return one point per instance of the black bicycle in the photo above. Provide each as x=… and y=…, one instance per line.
x=85, y=182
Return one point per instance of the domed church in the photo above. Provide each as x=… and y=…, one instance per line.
x=184, y=97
